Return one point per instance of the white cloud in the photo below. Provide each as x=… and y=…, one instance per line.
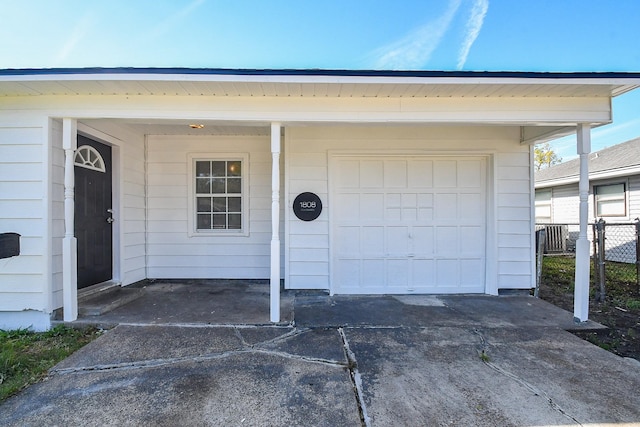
x=171, y=22
x=473, y=27
x=79, y=32
x=415, y=49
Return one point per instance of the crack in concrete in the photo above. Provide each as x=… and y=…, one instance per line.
x=356, y=379
x=245, y=349
x=533, y=389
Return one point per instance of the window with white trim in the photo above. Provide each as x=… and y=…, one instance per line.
x=610, y=200
x=543, y=206
x=219, y=195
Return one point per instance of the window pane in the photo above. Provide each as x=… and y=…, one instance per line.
x=234, y=185
x=235, y=221
x=204, y=204
x=218, y=169
x=219, y=204
x=203, y=185
x=235, y=204
x=234, y=168
x=204, y=222
x=217, y=185
x=219, y=221
x=203, y=169
x=215, y=181
x=543, y=196
x=610, y=200
x=611, y=208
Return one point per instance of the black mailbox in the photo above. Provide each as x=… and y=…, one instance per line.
x=9, y=245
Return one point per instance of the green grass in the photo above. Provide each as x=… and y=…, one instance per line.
x=620, y=278
x=26, y=356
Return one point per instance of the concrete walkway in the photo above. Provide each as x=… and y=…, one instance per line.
x=205, y=354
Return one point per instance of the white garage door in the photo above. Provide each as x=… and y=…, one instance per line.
x=408, y=224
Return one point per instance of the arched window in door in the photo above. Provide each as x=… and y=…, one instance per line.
x=89, y=158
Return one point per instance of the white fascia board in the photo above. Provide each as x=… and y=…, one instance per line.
x=625, y=83
x=594, y=176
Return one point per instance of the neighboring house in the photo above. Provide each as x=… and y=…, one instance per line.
x=614, y=187
x=614, y=196
x=422, y=182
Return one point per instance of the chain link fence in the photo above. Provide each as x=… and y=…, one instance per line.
x=615, y=251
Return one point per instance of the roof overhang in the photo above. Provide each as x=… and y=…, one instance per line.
x=405, y=97
x=593, y=176
x=315, y=83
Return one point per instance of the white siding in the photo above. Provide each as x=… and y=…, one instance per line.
x=172, y=253
x=132, y=209
x=307, y=153
x=56, y=174
x=634, y=196
x=23, y=210
x=565, y=203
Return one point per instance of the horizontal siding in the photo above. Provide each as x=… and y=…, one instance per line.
x=57, y=212
x=308, y=150
x=172, y=252
x=634, y=196
x=565, y=204
x=514, y=218
x=23, y=196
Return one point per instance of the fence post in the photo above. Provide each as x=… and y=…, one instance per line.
x=600, y=227
x=596, y=267
x=541, y=234
x=638, y=255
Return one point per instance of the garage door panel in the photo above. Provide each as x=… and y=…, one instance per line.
x=445, y=174
x=423, y=273
x=347, y=207
x=397, y=273
x=348, y=241
x=472, y=241
x=372, y=207
x=373, y=241
x=422, y=240
x=373, y=276
x=447, y=272
x=471, y=206
x=372, y=174
x=469, y=174
x=420, y=174
x=446, y=206
x=348, y=174
x=447, y=241
x=412, y=225
x=397, y=241
x=349, y=272
x=395, y=174
x=470, y=270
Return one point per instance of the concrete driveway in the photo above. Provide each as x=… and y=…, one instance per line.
x=334, y=361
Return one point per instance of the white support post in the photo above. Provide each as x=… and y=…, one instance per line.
x=581, y=293
x=275, y=223
x=69, y=242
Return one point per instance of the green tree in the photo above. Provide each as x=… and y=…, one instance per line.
x=544, y=156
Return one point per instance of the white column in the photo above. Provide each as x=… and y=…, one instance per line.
x=275, y=223
x=581, y=295
x=69, y=242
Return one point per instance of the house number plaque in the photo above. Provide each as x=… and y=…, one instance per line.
x=307, y=206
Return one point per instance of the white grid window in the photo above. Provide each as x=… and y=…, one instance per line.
x=610, y=200
x=219, y=195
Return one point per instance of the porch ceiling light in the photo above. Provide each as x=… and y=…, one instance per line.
x=196, y=126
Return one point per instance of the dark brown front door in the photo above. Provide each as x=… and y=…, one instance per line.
x=93, y=214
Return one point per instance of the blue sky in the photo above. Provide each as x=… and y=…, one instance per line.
x=479, y=35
